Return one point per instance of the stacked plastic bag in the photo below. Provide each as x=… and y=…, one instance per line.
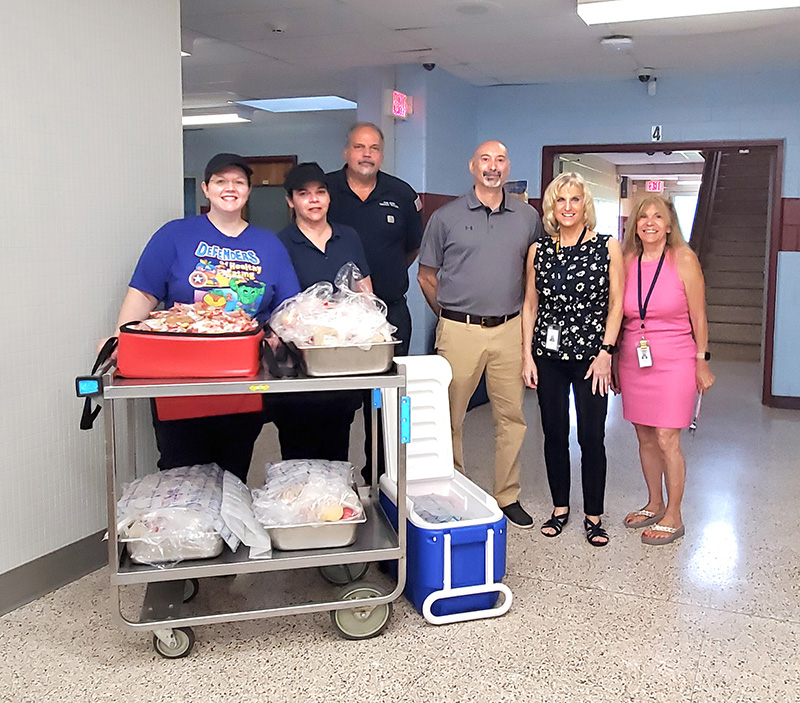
x=307, y=492
x=187, y=513
x=333, y=315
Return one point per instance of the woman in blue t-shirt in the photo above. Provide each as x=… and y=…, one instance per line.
x=221, y=259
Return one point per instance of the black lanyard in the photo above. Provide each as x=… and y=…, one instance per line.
x=643, y=308
x=577, y=244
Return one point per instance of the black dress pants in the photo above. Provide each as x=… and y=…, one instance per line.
x=399, y=316
x=555, y=379
x=227, y=440
x=314, y=425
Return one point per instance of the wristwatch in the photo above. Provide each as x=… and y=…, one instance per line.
x=704, y=356
x=610, y=348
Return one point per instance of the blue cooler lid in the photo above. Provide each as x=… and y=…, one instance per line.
x=429, y=453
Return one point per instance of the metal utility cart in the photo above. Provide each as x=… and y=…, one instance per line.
x=360, y=611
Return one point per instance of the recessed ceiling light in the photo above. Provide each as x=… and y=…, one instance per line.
x=310, y=104
x=610, y=11
x=205, y=120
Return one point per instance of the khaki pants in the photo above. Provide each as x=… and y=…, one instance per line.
x=471, y=349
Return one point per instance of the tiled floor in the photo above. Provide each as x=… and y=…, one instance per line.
x=714, y=617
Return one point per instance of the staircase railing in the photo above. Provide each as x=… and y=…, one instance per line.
x=705, y=203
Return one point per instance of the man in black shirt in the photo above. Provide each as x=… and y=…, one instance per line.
x=385, y=212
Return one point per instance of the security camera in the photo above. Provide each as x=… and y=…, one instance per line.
x=645, y=75
x=429, y=66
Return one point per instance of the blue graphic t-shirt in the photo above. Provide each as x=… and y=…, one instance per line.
x=187, y=261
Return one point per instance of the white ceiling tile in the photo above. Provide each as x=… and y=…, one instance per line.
x=517, y=41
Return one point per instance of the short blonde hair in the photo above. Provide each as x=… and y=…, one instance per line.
x=632, y=245
x=551, y=195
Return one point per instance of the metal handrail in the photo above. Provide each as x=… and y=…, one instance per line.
x=705, y=203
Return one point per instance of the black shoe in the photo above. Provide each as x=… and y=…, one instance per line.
x=517, y=516
x=555, y=523
x=595, y=534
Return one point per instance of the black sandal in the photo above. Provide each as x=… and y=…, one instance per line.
x=595, y=534
x=556, y=522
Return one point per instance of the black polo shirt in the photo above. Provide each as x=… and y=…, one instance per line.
x=313, y=265
x=389, y=224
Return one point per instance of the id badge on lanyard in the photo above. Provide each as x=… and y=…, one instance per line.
x=643, y=351
x=552, y=341
x=644, y=355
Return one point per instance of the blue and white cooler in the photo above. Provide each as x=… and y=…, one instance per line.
x=456, y=536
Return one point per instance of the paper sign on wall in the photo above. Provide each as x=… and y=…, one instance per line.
x=655, y=133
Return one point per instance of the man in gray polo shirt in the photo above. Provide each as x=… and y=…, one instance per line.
x=472, y=273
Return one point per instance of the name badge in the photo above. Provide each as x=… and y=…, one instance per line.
x=390, y=219
x=553, y=340
x=643, y=352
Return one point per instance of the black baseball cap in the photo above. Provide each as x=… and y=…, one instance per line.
x=300, y=175
x=219, y=162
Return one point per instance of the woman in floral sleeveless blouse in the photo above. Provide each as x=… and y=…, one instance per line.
x=570, y=322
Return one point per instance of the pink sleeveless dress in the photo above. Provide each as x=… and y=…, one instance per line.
x=662, y=395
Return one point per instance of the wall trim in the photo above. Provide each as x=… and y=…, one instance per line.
x=39, y=577
x=785, y=402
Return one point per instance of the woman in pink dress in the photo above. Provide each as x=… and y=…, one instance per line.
x=663, y=357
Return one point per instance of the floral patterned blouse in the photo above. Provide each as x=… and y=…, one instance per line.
x=573, y=291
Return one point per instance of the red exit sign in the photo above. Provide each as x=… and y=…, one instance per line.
x=655, y=186
x=399, y=105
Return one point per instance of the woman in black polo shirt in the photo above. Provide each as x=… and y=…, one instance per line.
x=317, y=425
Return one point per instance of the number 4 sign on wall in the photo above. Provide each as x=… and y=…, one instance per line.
x=655, y=133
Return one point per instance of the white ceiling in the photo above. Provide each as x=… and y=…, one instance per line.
x=236, y=52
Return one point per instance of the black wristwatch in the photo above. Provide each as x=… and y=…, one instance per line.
x=610, y=348
x=704, y=356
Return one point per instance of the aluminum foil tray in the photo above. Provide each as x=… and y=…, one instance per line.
x=348, y=360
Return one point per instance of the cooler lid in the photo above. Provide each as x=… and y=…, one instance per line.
x=429, y=453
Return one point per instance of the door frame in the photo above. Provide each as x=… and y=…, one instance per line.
x=549, y=154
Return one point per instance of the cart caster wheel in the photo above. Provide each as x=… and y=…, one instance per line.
x=184, y=641
x=342, y=574
x=362, y=622
x=191, y=587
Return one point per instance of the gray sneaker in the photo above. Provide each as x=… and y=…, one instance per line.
x=517, y=516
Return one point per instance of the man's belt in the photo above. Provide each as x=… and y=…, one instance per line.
x=482, y=320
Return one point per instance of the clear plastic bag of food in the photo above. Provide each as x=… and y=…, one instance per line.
x=306, y=492
x=435, y=508
x=173, y=515
x=328, y=315
x=237, y=512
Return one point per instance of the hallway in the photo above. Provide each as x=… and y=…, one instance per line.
x=714, y=617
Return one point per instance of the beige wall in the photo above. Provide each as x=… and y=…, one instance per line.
x=90, y=142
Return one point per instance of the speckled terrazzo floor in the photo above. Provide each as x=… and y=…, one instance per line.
x=714, y=617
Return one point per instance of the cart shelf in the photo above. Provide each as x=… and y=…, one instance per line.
x=376, y=540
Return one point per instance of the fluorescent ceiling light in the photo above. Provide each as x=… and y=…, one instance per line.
x=611, y=11
x=204, y=120
x=312, y=104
